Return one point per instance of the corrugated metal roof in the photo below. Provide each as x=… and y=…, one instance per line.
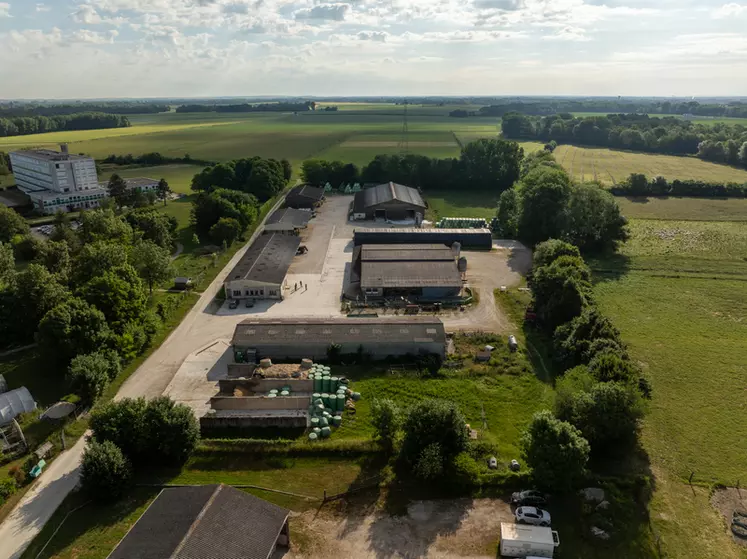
x=290, y=216
x=256, y=332
x=14, y=403
x=206, y=522
x=395, y=253
x=410, y=274
x=267, y=260
x=524, y=533
x=306, y=191
x=387, y=192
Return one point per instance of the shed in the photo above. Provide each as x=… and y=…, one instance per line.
x=261, y=271
x=304, y=197
x=206, y=522
x=291, y=338
x=390, y=201
x=182, y=282
x=14, y=403
x=521, y=540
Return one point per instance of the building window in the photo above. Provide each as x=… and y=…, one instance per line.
x=273, y=293
x=247, y=292
x=237, y=293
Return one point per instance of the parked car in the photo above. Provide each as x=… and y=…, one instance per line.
x=249, y=304
x=528, y=497
x=233, y=304
x=532, y=515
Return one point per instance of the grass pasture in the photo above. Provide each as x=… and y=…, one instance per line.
x=179, y=177
x=460, y=204
x=690, y=209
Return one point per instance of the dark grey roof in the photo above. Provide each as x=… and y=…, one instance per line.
x=290, y=331
x=49, y=155
x=405, y=252
x=410, y=274
x=387, y=192
x=267, y=260
x=306, y=191
x=290, y=216
x=206, y=522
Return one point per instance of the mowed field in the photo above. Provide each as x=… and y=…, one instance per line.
x=612, y=166
x=678, y=294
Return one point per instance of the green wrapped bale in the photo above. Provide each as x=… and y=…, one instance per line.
x=326, y=432
x=313, y=436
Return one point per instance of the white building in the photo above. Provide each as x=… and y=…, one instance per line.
x=57, y=180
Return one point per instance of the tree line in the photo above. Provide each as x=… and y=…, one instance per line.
x=248, y=108
x=84, y=295
x=545, y=203
x=638, y=184
x=19, y=126
x=485, y=164
x=153, y=158
x=731, y=109
x=230, y=193
x=22, y=109
x=720, y=142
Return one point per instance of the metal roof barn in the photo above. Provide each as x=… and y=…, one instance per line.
x=389, y=200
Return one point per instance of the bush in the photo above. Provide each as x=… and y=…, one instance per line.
x=89, y=374
x=122, y=423
x=17, y=474
x=609, y=366
x=466, y=470
x=429, y=465
x=7, y=488
x=105, y=471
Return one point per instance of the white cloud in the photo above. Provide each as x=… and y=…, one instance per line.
x=5, y=9
x=324, y=12
x=730, y=10
x=41, y=7
x=87, y=14
x=380, y=36
x=568, y=33
x=94, y=37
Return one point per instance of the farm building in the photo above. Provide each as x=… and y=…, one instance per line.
x=304, y=197
x=467, y=238
x=287, y=220
x=427, y=271
x=206, y=521
x=284, y=339
x=262, y=269
x=388, y=201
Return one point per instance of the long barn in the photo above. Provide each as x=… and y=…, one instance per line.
x=467, y=238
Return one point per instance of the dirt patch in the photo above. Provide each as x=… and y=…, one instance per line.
x=728, y=500
x=430, y=529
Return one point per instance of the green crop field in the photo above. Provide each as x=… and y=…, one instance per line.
x=612, y=166
x=691, y=209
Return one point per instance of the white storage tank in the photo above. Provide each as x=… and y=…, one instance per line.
x=520, y=540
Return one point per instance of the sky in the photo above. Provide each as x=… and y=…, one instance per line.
x=196, y=48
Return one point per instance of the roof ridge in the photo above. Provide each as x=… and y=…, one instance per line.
x=197, y=520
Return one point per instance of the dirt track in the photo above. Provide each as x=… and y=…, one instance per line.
x=430, y=529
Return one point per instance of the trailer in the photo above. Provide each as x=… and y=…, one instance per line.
x=520, y=540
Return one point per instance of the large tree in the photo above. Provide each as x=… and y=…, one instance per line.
x=492, y=165
x=561, y=290
x=386, y=418
x=544, y=195
x=37, y=292
x=119, y=294
x=72, y=328
x=225, y=230
x=118, y=191
x=153, y=225
x=163, y=190
x=96, y=258
x=437, y=426
x=89, y=374
x=152, y=262
x=7, y=266
x=104, y=225
x=594, y=219
x=55, y=257
x=556, y=451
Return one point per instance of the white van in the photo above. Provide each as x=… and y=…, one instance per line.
x=520, y=540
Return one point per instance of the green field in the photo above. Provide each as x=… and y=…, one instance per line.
x=179, y=177
x=460, y=204
x=611, y=166
x=677, y=294
x=691, y=209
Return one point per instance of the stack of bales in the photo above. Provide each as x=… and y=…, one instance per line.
x=327, y=401
x=462, y=223
x=284, y=391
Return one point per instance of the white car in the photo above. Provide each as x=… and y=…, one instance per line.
x=532, y=515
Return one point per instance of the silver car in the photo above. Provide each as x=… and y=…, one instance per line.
x=532, y=515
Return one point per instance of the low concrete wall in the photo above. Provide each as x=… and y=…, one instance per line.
x=260, y=403
x=208, y=422
x=263, y=386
